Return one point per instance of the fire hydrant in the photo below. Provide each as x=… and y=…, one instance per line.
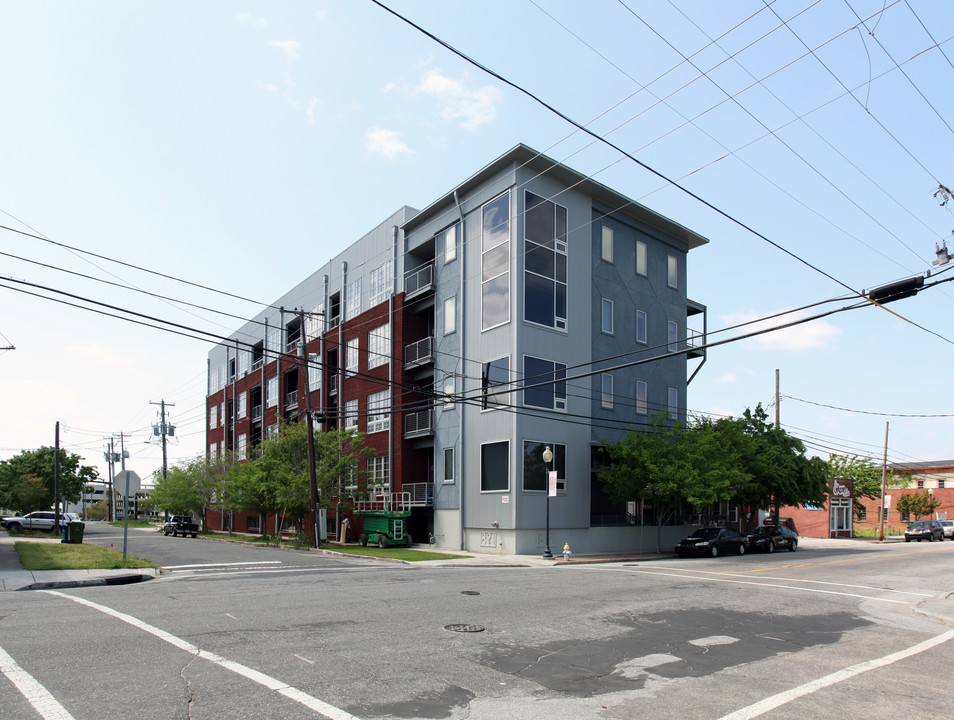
x=566, y=552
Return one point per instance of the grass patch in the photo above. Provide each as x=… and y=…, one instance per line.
x=870, y=532
x=63, y=556
x=395, y=553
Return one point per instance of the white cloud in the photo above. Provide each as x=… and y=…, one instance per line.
x=813, y=335
x=474, y=106
x=249, y=20
x=100, y=355
x=291, y=48
x=386, y=142
x=310, y=110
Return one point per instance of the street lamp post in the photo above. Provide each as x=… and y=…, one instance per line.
x=547, y=459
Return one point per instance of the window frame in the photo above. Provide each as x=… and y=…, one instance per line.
x=351, y=357
x=672, y=271
x=495, y=282
x=642, y=259
x=379, y=411
x=606, y=245
x=351, y=415
x=379, y=346
x=533, y=279
x=557, y=372
x=605, y=304
x=483, y=449
x=606, y=396
x=641, y=398
x=559, y=464
x=642, y=327
x=449, y=452
x=450, y=315
x=493, y=402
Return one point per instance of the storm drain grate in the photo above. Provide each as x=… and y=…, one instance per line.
x=460, y=627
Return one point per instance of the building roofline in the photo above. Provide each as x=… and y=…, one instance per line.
x=525, y=156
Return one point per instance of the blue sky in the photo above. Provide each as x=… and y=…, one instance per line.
x=242, y=146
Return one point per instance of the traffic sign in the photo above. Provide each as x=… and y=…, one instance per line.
x=127, y=476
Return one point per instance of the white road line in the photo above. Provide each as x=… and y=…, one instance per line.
x=216, y=565
x=313, y=703
x=782, y=698
x=37, y=695
x=696, y=578
x=813, y=582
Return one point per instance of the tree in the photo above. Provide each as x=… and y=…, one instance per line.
x=865, y=475
x=27, y=479
x=917, y=504
x=189, y=488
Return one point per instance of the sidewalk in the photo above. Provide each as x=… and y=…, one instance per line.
x=14, y=577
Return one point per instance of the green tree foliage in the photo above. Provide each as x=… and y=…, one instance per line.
x=276, y=479
x=26, y=480
x=918, y=504
x=862, y=471
x=189, y=488
x=742, y=461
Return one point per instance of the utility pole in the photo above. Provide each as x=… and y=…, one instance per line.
x=163, y=430
x=310, y=426
x=777, y=411
x=56, y=479
x=884, y=482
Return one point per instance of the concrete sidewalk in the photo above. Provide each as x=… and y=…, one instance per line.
x=14, y=577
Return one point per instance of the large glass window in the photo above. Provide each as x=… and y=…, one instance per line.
x=353, y=301
x=496, y=374
x=241, y=408
x=642, y=397
x=351, y=415
x=495, y=467
x=241, y=445
x=448, y=465
x=606, y=324
x=495, y=263
x=271, y=392
x=379, y=411
x=351, y=356
x=379, y=474
x=380, y=283
x=607, y=247
x=213, y=417
x=379, y=346
x=642, y=324
x=545, y=248
x=606, y=390
x=551, y=396
x=535, y=470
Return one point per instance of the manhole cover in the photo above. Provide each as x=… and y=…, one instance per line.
x=464, y=628
x=469, y=592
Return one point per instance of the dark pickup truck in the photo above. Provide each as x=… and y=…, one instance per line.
x=180, y=525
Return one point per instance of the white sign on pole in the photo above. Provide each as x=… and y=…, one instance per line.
x=887, y=501
x=551, y=491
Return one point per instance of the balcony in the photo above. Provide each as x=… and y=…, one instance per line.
x=256, y=413
x=419, y=494
x=258, y=363
x=291, y=399
x=333, y=384
x=419, y=353
x=695, y=343
x=291, y=347
x=418, y=424
x=419, y=281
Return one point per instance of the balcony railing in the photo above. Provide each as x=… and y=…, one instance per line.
x=418, y=423
x=291, y=347
x=257, y=363
x=419, y=353
x=291, y=399
x=333, y=385
x=421, y=494
x=256, y=413
x=419, y=280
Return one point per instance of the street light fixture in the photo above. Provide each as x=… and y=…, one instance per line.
x=547, y=459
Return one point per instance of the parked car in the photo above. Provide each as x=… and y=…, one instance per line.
x=770, y=538
x=180, y=525
x=948, y=527
x=919, y=530
x=713, y=542
x=44, y=520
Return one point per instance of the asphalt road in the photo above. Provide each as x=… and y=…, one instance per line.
x=244, y=632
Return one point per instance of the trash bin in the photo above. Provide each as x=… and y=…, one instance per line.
x=76, y=532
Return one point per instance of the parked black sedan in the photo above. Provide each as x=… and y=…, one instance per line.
x=713, y=542
x=770, y=538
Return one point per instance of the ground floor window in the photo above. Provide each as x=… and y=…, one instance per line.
x=535, y=470
x=840, y=514
x=495, y=466
x=253, y=523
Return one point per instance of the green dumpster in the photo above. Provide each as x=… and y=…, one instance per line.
x=76, y=531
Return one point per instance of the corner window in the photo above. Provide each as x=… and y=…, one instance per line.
x=641, y=258
x=547, y=384
x=606, y=391
x=545, y=249
x=496, y=374
x=535, y=470
x=450, y=315
x=448, y=465
x=495, y=263
x=607, y=248
x=606, y=325
x=642, y=323
x=672, y=272
x=495, y=467
x=642, y=394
